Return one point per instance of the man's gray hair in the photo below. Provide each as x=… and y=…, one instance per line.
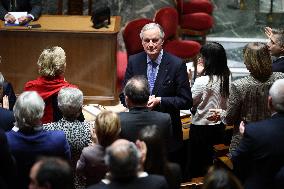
x=2, y=79
x=28, y=109
x=152, y=26
x=70, y=102
x=123, y=161
x=277, y=94
x=279, y=35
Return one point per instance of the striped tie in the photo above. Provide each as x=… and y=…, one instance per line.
x=152, y=75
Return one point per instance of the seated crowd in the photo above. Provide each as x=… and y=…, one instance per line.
x=45, y=141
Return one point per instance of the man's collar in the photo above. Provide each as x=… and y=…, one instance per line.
x=138, y=108
x=158, y=59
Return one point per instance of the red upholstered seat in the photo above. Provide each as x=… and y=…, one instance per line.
x=131, y=36
x=167, y=17
x=194, y=6
x=133, y=45
x=195, y=17
x=196, y=21
x=121, y=64
x=184, y=49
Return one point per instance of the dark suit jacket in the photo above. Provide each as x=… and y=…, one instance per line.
x=279, y=179
x=33, y=7
x=91, y=164
x=27, y=147
x=260, y=154
x=7, y=165
x=278, y=65
x=7, y=119
x=149, y=182
x=9, y=91
x=171, y=84
x=136, y=119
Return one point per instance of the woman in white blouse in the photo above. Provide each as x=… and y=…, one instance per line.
x=210, y=90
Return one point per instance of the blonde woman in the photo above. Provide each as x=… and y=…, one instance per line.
x=51, y=68
x=91, y=163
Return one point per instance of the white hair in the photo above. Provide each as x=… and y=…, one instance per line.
x=277, y=94
x=28, y=109
x=152, y=26
x=70, y=101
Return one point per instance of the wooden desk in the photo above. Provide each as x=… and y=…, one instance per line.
x=91, y=54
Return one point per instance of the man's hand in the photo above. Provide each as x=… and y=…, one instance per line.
x=268, y=32
x=200, y=66
x=24, y=19
x=6, y=102
x=141, y=145
x=153, y=102
x=10, y=18
x=242, y=128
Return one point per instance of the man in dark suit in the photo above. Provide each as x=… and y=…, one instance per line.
x=7, y=164
x=27, y=140
x=167, y=78
x=33, y=7
x=7, y=119
x=51, y=173
x=260, y=154
x=137, y=93
x=125, y=162
x=276, y=48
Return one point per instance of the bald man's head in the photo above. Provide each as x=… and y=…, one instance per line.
x=137, y=91
x=122, y=157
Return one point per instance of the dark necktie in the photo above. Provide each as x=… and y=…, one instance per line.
x=152, y=75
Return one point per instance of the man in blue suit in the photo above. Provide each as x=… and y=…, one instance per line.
x=167, y=78
x=27, y=140
x=33, y=7
x=260, y=155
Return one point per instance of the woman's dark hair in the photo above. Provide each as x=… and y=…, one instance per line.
x=156, y=162
x=215, y=63
x=219, y=178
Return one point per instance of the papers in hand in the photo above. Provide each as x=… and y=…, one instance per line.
x=17, y=15
x=91, y=111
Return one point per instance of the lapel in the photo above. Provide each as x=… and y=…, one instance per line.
x=143, y=64
x=278, y=61
x=162, y=73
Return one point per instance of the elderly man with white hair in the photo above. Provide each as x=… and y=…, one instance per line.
x=168, y=83
x=28, y=141
x=78, y=134
x=260, y=155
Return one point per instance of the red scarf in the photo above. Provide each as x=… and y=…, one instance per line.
x=46, y=87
